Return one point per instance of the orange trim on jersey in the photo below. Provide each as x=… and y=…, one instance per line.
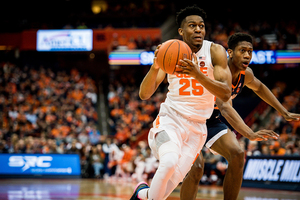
x=216, y=107
x=234, y=86
x=196, y=157
x=157, y=122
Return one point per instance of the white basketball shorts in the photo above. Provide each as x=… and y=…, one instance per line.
x=187, y=137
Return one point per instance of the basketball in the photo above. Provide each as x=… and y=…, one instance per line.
x=170, y=53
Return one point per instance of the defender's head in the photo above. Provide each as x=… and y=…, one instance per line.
x=240, y=47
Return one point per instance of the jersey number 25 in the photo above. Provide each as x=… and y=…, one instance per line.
x=186, y=83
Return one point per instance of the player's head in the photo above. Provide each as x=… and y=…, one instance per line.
x=191, y=26
x=240, y=49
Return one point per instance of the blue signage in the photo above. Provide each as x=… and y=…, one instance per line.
x=41, y=164
x=263, y=57
x=146, y=57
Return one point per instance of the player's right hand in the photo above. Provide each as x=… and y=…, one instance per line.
x=263, y=135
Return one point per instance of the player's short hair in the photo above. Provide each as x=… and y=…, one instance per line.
x=234, y=39
x=190, y=10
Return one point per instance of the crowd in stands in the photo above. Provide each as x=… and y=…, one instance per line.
x=130, y=116
x=266, y=36
x=42, y=110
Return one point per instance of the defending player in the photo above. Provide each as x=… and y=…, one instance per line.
x=220, y=139
x=179, y=131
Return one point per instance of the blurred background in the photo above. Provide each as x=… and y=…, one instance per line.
x=70, y=74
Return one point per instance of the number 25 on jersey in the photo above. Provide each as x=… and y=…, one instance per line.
x=197, y=89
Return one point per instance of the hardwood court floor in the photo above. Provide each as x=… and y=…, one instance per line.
x=84, y=189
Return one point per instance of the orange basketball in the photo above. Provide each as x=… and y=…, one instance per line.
x=170, y=53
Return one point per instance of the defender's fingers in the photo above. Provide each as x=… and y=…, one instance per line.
x=294, y=117
x=270, y=133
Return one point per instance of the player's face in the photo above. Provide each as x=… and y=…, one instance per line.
x=242, y=55
x=193, y=32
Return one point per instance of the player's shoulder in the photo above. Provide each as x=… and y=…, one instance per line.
x=218, y=53
x=216, y=47
x=248, y=72
x=217, y=50
x=249, y=76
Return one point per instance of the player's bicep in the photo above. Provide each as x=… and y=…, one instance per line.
x=221, y=70
x=222, y=74
x=251, y=81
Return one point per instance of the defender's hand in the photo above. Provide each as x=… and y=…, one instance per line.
x=263, y=135
x=292, y=117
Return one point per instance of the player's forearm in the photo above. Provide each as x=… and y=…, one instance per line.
x=148, y=85
x=265, y=94
x=234, y=119
x=219, y=89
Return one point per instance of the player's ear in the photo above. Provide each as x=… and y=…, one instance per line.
x=230, y=52
x=180, y=31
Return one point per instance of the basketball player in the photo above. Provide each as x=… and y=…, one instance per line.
x=179, y=131
x=221, y=139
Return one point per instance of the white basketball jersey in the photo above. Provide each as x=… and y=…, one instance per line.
x=187, y=96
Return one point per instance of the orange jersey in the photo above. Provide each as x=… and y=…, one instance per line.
x=187, y=96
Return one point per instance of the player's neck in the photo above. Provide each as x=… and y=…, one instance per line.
x=235, y=71
x=195, y=49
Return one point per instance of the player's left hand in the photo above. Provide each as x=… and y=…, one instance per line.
x=291, y=116
x=188, y=67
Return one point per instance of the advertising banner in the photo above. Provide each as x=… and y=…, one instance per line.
x=39, y=164
x=272, y=172
x=64, y=40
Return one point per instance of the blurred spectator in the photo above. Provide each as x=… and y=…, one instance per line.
x=122, y=41
x=276, y=149
x=125, y=164
x=140, y=165
x=140, y=43
x=131, y=44
x=151, y=164
x=97, y=159
x=73, y=148
x=3, y=147
x=252, y=149
x=68, y=26
x=108, y=148
x=214, y=168
x=82, y=26
x=94, y=135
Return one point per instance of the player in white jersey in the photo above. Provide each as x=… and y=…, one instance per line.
x=179, y=131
